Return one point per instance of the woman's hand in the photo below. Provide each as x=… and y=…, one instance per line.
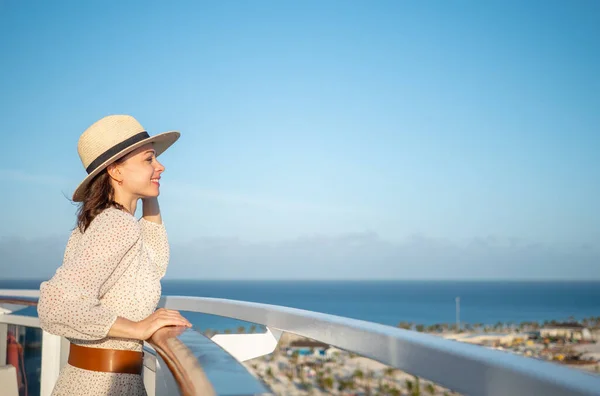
x=158, y=319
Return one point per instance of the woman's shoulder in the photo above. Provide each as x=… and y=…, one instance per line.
x=114, y=219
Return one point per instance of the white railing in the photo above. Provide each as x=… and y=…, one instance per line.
x=186, y=361
x=468, y=369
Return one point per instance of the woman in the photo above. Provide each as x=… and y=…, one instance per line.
x=103, y=297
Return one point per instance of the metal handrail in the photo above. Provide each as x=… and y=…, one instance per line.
x=181, y=361
x=465, y=368
x=193, y=361
x=468, y=369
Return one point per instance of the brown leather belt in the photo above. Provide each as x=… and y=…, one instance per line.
x=106, y=360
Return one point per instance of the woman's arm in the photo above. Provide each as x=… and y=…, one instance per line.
x=142, y=330
x=154, y=235
x=70, y=303
x=151, y=210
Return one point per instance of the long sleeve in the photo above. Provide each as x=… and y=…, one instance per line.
x=156, y=241
x=70, y=303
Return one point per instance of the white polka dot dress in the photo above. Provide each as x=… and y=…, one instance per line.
x=113, y=269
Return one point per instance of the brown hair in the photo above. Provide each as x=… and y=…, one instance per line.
x=99, y=195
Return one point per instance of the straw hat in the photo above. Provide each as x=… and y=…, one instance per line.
x=111, y=138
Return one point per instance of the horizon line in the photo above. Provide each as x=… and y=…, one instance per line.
x=356, y=280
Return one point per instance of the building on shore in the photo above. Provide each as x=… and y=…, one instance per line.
x=491, y=339
x=306, y=347
x=573, y=331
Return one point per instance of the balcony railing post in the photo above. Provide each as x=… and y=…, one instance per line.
x=3, y=337
x=51, y=362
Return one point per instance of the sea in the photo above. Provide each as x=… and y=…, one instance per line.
x=392, y=302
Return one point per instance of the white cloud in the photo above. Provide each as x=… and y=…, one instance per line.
x=348, y=256
x=366, y=256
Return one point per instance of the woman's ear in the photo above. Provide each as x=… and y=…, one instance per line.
x=114, y=172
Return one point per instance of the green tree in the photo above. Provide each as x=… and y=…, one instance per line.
x=405, y=325
x=413, y=387
x=327, y=383
x=358, y=374
x=241, y=330
x=393, y=391
x=290, y=375
x=369, y=378
x=294, y=357
x=346, y=384
x=420, y=328
x=430, y=388
x=417, y=387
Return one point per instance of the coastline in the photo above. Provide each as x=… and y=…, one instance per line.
x=325, y=370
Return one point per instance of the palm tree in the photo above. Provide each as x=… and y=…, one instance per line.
x=344, y=384
x=389, y=371
x=294, y=358
x=252, y=329
x=269, y=372
x=327, y=383
x=290, y=375
x=394, y=391
x=430, y=388
x=369, y=378
x=358, y=375
x=417, y=389
x=414, y=388
x=241, y=330
x=405, y=325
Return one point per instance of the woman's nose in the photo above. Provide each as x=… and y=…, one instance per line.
x=160, y=167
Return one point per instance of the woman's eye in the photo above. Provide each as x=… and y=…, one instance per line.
x=149, y=159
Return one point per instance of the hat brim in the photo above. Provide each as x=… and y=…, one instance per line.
x=162, y=142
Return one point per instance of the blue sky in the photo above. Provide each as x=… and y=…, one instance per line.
x=319, y=139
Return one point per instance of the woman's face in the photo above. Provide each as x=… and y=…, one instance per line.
x=140, y=172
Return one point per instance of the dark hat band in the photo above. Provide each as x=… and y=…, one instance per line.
x=115, y=150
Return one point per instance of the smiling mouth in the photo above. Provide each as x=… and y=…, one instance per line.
x=156, y=181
